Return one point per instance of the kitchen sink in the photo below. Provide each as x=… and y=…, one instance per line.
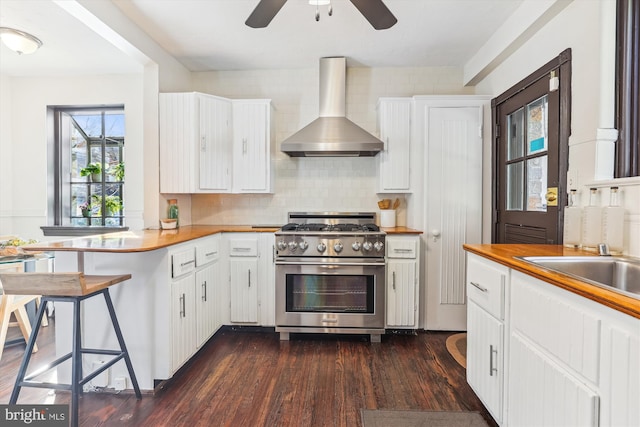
x=621, y=274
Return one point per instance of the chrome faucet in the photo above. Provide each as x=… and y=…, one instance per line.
x=603, y=249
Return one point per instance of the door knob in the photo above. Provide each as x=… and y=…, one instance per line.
x=435, y=233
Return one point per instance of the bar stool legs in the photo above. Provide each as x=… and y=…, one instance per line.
x=77, y=378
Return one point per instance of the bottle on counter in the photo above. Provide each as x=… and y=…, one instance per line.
x=572, y=222
x=613, y=223
x=592, y=223
x=172, y=212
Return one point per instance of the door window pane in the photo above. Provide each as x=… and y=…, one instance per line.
x=537, y=184
x=537, y=126
x=515, y=186
x=515, y=146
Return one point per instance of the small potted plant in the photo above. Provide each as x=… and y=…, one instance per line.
x=85, y=208
x=117, y=171
x=93, y=170
x=113, y=204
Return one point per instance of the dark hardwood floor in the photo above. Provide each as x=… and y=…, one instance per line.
x=249, y=377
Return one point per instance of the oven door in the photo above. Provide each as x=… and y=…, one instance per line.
x=328, y=293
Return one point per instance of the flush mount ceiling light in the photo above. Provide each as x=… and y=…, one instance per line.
x=19, y=41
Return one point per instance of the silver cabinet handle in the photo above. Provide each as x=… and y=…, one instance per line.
x=491, y=352
x=211, y=253
x=187, y=263
x=183, y=311
x=402, y=251
x=204, y=291
x=393, y=281
x=481, y=288
x=249, y=275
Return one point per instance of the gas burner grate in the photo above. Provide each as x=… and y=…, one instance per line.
x=331, y=227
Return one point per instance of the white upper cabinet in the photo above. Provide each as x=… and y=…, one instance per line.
x=394, y=126
x=195, y=143
x=210, y=144
x=252, y=146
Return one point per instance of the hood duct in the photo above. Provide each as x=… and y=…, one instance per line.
x=332, y=134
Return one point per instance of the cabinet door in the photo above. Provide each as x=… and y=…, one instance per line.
x=542, y=393
x=395, y=132
x=252, y=153
x=177, y=117
x=206, y=303
x=401, y=293
x=485, y=358
x=183, y=315
x=214, y=143
x=244, y=290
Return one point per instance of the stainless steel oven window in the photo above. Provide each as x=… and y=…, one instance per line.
x=313, y=293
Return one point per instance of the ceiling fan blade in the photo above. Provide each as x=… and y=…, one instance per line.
x=264, y=13
x=378, y=15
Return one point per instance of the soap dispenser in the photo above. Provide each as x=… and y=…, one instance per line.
x=613, y=223
x=572, y=222
x=592, y=223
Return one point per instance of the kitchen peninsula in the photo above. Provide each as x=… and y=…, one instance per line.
x=179, y=294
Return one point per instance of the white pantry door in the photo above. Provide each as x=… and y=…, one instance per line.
x=453, y=210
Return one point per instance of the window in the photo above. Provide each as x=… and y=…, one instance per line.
x=628, y=89
x=87, y=160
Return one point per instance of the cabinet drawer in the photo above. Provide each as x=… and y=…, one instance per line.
x=207, y=252
x=243, y=247
x=486, y=283
x=402, y=248
x=183, y=262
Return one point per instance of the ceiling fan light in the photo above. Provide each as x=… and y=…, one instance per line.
x=19, y=41
x=319, y=2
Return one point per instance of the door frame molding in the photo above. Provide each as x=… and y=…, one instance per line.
x=562, y=65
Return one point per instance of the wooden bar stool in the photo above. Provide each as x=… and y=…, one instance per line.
x=74, y=288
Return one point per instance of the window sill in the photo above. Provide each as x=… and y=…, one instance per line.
x=60, y=230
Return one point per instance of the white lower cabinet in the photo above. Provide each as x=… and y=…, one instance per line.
x=243, y=278
x=402, y=281
x=485, y=332
x=564, y=360
x=183, y=312
x=208, y=292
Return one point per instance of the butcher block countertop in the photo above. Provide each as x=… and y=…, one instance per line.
x=149, y=240
x=505, y=254
x=142, y=241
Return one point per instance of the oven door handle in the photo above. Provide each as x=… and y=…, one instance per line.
x=333, y=265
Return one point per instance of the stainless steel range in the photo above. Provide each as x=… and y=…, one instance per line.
x=330, y=274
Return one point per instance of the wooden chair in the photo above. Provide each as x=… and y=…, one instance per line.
x=74, y=288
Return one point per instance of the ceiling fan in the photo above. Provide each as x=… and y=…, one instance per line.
x=375, y=11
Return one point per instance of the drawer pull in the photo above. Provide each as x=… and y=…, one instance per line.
x=241, y=249
x=211, y=253
x=483, y=289
x=187, y=263
x=403, y=251
x=491, y=352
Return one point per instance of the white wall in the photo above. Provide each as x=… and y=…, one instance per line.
x=23, y=147
x=580, y=28
x=318, y=184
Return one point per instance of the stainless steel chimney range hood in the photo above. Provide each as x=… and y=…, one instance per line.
x=332, y=134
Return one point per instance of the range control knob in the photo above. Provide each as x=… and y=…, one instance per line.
x=303, y=245
x=367, y=246
x=338, y=247
x=356, y=246
x=282, y=245
x=321, y=247
x=378, y=246
x=292, y=246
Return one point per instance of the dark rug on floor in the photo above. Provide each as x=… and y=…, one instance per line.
x=384, y=418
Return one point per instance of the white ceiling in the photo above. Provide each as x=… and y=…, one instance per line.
x=211, y=35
